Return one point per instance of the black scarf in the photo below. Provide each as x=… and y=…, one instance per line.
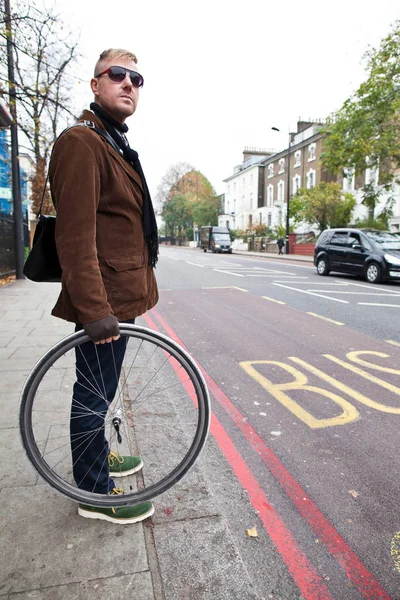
x=131, y=156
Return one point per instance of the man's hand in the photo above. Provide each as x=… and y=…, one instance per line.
x=104, y=330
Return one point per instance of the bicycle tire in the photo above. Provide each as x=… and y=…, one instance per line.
x=38, y=461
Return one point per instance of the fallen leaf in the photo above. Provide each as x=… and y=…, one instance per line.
x=354, y=493
x=252, y=532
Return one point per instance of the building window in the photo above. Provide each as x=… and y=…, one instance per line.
x=371, y=176
x=311, y=151
x=234, y=187
x=270, y=195
x=250, y=221
x=244, y=181
x=310, y=179
x=251, y=200
x=271, y=170
x=281, y=192
x=296, y=183
x=281, y=165
x=269, y=219
x=348, y=180
x=227, y=224
x=260, y=218
x=234, y=207
x=251, y=179
x=297, y=158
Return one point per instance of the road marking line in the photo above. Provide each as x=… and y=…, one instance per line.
x=229, y=273
x=381, y=382
x=166, y=290
x=395, y=550
x=355, y=293
x=311, y=293
x=224, y=287
x=394, y=410
x=393, y=342
x=273, y=300
x=377, y=304
x=274, y=276
x=195, y=264
x=172, y=258
x=354, y=569
x=325, y=318
x=366, y=285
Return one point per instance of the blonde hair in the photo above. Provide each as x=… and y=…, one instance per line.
x=113, y=53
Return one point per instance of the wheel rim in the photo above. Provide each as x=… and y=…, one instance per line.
x=161, y=400
x=321, y=266
x=372, y=273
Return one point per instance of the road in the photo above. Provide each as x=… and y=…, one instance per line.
x=304, y=379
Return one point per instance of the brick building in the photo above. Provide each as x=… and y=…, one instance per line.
x=257, y=191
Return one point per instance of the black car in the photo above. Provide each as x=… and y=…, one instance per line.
x=369, y=253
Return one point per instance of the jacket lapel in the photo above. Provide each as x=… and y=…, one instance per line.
x=129, y=170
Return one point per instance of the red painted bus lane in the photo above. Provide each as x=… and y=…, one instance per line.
x=355, y=570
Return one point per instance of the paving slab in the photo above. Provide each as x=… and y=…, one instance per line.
x=25, y=340
x=56, y=545
x=21, y=314
x=9, y=409
x=16, y=470
x=137, y=586
x=199, y=561
x=190, y=498
x=13, y=381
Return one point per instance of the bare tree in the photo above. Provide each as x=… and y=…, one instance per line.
x=44, y=49
x=171, y=182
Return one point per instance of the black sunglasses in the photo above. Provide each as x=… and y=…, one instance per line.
x=118, y=74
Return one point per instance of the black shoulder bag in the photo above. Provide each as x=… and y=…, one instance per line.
x=42, y=264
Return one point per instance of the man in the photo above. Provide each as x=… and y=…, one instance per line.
x=107, y=243
x=280, y=243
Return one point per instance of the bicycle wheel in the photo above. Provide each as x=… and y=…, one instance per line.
x=160, y=412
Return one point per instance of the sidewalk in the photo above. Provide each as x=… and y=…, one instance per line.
x=49, y=553
x=296, y=257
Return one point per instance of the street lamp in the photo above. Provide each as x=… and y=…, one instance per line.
x=287, y=190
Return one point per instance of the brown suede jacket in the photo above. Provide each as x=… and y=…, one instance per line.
x=99, y=232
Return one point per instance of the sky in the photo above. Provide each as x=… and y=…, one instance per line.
x=219, y=74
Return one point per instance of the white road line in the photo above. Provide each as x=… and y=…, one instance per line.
x=194, y=264
x=311, y=293
x=368, y=286
x=274, y=275
x=273, y=271
x=354, y=293
x=273, y=300
x=393, y=342
x=377, y=304
x=315, y=282
x=171, y=257
x=228, y=273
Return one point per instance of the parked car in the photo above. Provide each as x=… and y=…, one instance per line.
x=369, y=253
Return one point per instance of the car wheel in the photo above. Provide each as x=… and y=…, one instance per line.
x=374, y=273
x=322, y=266
x=205, y=249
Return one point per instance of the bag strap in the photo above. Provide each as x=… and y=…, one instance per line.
x=104, y=134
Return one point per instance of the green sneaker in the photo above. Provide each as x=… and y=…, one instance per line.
x=124, y=514
x=120, y=466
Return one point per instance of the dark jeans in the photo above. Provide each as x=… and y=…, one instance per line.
x=98, y=367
